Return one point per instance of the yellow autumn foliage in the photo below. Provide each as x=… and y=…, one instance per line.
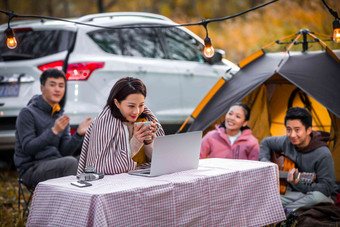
x=239, y=37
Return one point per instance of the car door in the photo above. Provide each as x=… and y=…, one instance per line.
x=145, y=59
x=138, y=53
x=196, y=75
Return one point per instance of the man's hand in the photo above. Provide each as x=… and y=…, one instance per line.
x=81, y=130
x=290, y=177
x=60, y=124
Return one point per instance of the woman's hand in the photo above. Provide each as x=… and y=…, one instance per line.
x=145, y=133
x=153, y=129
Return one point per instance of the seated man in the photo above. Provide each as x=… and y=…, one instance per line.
x=43, y=142
x=309, y=151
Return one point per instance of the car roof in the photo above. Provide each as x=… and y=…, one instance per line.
x=111, y=15
x=101, y=19
x=96, y=19
x=39, y=23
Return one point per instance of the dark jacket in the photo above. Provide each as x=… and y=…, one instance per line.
x=35, y=140
x=315, y=158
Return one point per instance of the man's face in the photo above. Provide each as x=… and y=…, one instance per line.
x=53, y=90
x=297, y=133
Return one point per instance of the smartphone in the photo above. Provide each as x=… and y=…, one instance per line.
x=81, y=183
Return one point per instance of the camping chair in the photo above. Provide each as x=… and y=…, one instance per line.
x=21, y=193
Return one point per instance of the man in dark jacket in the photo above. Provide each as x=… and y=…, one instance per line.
x=44, y=145
x=309, y=151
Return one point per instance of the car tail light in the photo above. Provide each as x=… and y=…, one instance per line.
x=16, y=30
x=82, y=71
x=73, y=130
x=56, y=64
x=75, y=71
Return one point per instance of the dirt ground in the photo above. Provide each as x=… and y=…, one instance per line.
x=9, y=213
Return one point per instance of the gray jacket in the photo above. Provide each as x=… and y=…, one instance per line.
x=35, y=140
x=319, y=161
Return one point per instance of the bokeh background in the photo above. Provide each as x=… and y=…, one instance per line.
x=238, y=37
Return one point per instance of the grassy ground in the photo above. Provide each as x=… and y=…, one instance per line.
x=9, y=213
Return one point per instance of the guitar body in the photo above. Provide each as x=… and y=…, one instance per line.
x=285, y=164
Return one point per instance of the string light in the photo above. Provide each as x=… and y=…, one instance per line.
x=208, y=48
x=209, y=51
x=11, y=41
x=336, y=23
x=336, y=30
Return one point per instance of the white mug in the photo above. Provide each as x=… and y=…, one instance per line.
x=147, y=123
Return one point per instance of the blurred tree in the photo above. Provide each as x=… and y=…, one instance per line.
x=239, y=37
x=103, y=8
x=5, y=2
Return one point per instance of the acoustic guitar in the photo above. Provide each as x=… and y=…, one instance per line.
x=285, y=164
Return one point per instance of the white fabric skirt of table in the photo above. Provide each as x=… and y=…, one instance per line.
x=223, y=192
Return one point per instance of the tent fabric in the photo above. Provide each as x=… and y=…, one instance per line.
x=335, y=146
x=266, y=85
x=316, y=73
x=285, y=95
x=259, y=123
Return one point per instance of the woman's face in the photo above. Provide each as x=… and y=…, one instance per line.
x=235, y=118
x=131, y=107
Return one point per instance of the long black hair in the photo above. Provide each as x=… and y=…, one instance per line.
x=123, y=88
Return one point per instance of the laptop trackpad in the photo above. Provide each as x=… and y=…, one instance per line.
x=143, y=172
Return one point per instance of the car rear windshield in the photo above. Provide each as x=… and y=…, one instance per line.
x=35, y=44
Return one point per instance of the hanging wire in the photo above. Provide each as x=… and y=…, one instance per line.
x=333, y=12
x=204, y=22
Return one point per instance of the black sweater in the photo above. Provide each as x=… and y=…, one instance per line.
x=318, y=160
x=35, y=140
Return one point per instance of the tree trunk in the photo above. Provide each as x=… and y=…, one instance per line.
x=6, y=4
x=100, y=6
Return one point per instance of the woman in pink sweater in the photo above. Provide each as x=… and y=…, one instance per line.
x=233, y=138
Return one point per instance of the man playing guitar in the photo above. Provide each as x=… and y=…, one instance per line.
x=309, y=152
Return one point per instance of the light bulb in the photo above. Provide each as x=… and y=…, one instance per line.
x=208, y=48
x=336, y=35
x=11, y=41
x=336, y=31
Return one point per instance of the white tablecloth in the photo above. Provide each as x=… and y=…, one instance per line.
x=220, y=192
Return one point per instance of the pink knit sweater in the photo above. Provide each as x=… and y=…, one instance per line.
x=216, y=144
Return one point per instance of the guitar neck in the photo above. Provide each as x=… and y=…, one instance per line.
x=284, y=174
x=286, y=164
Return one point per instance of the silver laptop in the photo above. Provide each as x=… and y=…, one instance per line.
x=173, y=153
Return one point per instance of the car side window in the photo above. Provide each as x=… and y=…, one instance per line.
x=182, y=46
x=141, y=42
x=138, y=42
x=107, y=40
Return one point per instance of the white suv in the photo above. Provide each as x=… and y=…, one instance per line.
x=168, y=60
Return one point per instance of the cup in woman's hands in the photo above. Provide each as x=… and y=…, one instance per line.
x=147, y=124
